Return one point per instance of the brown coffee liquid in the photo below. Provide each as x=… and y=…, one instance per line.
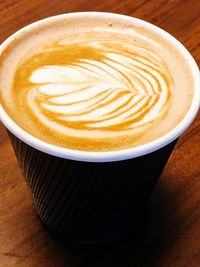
x=98, y=89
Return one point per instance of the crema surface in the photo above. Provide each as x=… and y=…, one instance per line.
x=95, y=88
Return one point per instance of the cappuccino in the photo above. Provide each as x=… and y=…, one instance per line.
x=94, y=85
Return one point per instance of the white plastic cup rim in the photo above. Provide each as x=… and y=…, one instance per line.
x=123, y=154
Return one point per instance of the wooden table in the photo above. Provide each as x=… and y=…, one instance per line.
x=170, y=233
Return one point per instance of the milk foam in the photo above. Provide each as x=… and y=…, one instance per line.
x=126, y=89
x=99, y=89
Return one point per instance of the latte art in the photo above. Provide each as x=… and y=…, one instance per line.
x=95, y=88
x=128, y=87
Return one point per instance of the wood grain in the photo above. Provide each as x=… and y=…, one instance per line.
x=170, y=234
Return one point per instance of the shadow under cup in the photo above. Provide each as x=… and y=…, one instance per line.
x=90, y=201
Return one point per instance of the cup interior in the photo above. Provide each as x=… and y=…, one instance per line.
x=122, y=154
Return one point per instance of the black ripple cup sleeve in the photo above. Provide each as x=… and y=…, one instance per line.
x=89, y=202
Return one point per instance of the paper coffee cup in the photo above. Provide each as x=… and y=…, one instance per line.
x=95, y=196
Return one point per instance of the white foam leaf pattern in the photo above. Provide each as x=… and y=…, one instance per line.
x=122, y=91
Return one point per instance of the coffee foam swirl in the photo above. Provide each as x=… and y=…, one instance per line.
x=127, y=87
